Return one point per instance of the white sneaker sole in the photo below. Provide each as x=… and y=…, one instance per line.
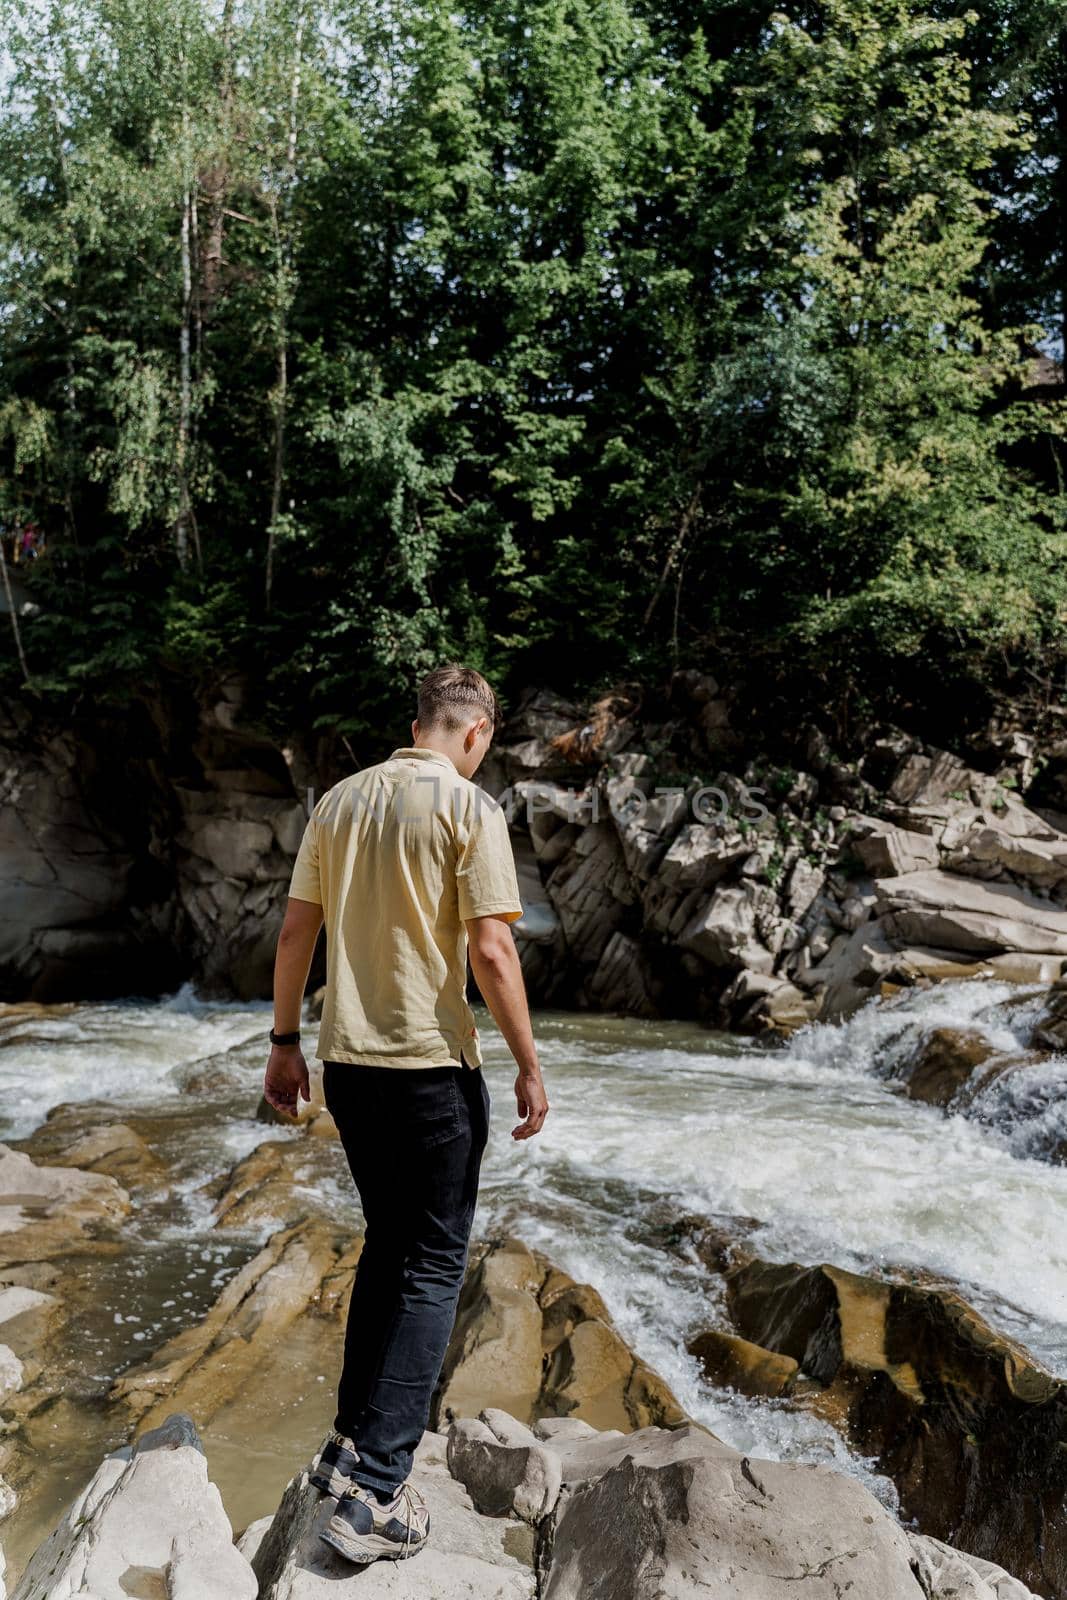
x=362, y=1549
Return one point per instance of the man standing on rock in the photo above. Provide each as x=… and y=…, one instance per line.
x=409, y=863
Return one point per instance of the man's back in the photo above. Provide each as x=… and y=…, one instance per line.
x=399, y=855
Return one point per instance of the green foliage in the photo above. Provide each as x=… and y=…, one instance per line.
x=577, y=341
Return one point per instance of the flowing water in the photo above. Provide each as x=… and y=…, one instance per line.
x=649, y=1120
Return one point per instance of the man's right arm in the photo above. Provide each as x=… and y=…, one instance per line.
x=498, y=974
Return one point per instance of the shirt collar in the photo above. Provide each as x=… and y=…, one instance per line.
x=416, y=753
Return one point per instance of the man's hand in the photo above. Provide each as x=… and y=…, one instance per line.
x=496, y=966
x=286, y=1080
x=532, y=1104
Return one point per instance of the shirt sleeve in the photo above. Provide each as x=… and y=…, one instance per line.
x=305, y=883
x=485, y=873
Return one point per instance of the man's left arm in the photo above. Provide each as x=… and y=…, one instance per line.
x=287, y=1075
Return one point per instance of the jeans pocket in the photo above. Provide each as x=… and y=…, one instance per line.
x=432, y=1109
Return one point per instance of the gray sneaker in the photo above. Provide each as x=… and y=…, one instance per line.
x=363, y=1530
x=334, y=1465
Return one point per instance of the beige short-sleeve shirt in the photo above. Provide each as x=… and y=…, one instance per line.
x=399, y=856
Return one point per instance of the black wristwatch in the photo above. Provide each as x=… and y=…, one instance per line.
x=285, y=1038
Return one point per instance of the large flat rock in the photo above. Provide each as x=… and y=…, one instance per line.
x=959, y=913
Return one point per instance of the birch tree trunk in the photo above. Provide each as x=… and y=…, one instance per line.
x=181, y=527
x=14, y=619
x=283, y=274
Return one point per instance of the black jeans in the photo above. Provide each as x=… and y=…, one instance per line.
x=414, y=1140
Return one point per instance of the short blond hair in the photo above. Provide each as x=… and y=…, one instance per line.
x=449, y=694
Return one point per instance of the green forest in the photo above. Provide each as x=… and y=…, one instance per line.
x=581, y=341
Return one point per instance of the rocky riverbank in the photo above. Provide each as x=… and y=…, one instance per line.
x=577, y=1432
x=515, y=1514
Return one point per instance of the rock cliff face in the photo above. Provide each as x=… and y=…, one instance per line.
x=660, y=881
x=664, y=870
x=134, y=857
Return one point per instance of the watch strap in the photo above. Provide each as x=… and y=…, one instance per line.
x=285, y=1038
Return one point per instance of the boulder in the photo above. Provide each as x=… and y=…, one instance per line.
x=494, y=1355
x=265, y=1186
x=50, y=1211
x=538, y=933
x=806, y=883
x=531, y=1341
x=944, y=1063
x=594, y=1375
x=503, y=1466
x=734, y=1363
x=724, y=931
x=149, y=1523
x=86, y=1135
x=1050, y=1029
x=646, y=824
x=622, y=980
x=472, y=1557
x=564, y=1304
x=758, y=1002
x=591, y=890
x=701, y=1520
x=718, y=1242
x=984, y=852
x=948, y=1574
x=890, y=852
x=923, y=964
x=932, y=778
x=972, y=1429
x=236, y=845
x=701, y=854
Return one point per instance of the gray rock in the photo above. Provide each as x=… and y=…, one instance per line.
x=646, y=824
x=149, y=1516
x=699, y=1521
x=931, y=779
x=701, y=855
x=805, y=883
x=1042, y=863
x=621, y=981
x=948, y=1574
x=889, y=852
x=503, y=1466
x=591, y=889
x=723, y=931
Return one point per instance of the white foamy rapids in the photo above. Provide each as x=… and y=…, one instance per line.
x=129, y=1052
x=1025, y=1111
x=811, y=1142
x=883, y=1035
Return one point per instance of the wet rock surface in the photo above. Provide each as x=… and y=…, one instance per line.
x=971, y=1429
x=530, y=1341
